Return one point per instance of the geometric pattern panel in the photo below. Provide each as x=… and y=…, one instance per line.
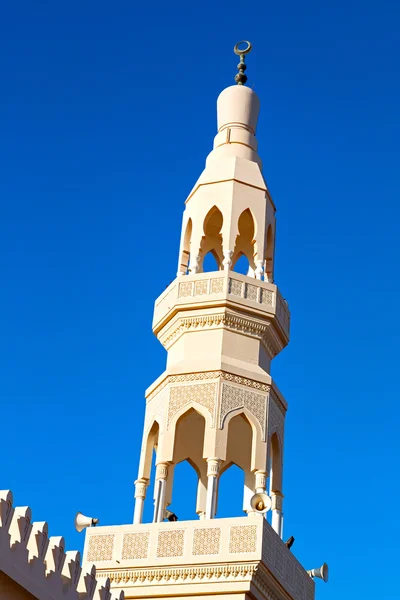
x=202, y=393
x=286, y=567
x=276, y=418
x=243, y=538
x=135, y=545
x=170, y=543
x=100, y=548
x=234, y=397
x=206, y=541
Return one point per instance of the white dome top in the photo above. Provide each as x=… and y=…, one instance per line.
x=239, y=106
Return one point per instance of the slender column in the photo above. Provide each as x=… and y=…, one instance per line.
x=227, y=259
x=259, y=269
x=140, y=495
x=213, y=465
x=194, y=264
x=277, y=514
x=161, y=486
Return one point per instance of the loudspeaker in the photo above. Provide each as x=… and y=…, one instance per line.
x=321, y=573
x=81, y=522
x=261, y=503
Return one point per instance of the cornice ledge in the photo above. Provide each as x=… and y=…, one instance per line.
x=172, y=575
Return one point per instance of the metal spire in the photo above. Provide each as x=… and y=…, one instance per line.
x=240, y=77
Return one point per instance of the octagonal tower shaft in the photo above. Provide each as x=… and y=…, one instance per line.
x=216, y=403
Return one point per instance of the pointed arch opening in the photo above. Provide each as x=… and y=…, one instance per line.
x=275, y=464
x=244, y=245
x=149, y=469
x=269, y=255
x=212, y=239
x=185, y=253
x=211, y=262
x=236, y=484
x=190, y=472
x=231, y=483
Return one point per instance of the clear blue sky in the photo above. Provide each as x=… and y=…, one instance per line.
x=107, y=112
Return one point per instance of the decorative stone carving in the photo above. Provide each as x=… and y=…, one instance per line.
x=135, y=545
x=201, y=287
x=259, y=269
x=244, y=381
x=275, y=419
x=266, y=297
x=202, y=393
x=235, y=287
x=206, y=541
x=174, y=574
x=234, y=397
x=252, y=292
x=181, y=379
x=207, y=375
x=185, y=289
x=161, y=471
x=140, y=488
x=217, y=285
x=170, y=543
x=242, y=538
x=100, y=548
x=213, y=465
x=227, y=262
x=276, y=501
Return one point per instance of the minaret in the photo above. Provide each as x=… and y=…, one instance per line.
x=221, y=329
x=215, y=404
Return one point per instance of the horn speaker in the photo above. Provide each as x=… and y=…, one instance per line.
x=81, y=522
x=321, y=573
x=261, y=503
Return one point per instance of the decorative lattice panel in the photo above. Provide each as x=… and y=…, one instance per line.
x=234, y=397
x=275, y=418
x=135, y=545
x=266, y=297
x=235, y=287
x=100, y=548
x=185, y=289
x=242, y=538
x=200, y=287
x=206, y=541
x=217, y=285
x=170, y=543
x=202, y=393
x=252, y=292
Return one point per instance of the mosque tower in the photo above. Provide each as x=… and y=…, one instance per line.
x=216, y=403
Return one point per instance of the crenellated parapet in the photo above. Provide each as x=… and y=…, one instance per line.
x=37, y=565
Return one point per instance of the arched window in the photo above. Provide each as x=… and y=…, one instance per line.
x=212, y=238
x=185, y=484
x=240, y=478
x=242, y=265
x=185, y=253
x=230, y=492
x=188, y=446
x=244, y=245
x=210, y=262
x=149, y=470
